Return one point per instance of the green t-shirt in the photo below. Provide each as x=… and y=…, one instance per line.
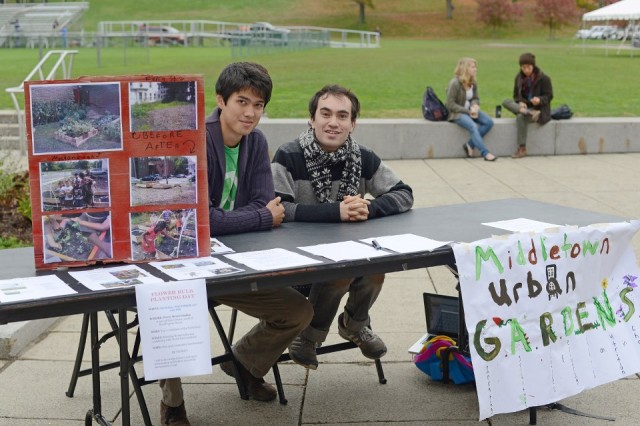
x=230, y=178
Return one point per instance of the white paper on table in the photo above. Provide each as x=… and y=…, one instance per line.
x=406, y=243
x=267, y=260
x=200, y=267
x=112, y=278
x=521, y=225
x=174, y=328
x=345, y=250
x=18, y=289
x=217, y=247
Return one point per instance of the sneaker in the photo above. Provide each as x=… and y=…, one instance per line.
x=303, y=352
x=175, y=416
x=521, y=152
x=258, y=389
x=370, y=344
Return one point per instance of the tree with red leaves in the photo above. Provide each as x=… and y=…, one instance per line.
x=555, y=13
x=498, y=13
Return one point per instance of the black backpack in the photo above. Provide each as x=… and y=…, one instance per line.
x=432, y=107
x=563, y=112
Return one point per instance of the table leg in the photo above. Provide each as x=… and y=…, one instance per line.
x=96, y=412
x=124, y=366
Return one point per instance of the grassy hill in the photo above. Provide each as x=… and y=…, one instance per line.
x=396, y=18
x=419, y=47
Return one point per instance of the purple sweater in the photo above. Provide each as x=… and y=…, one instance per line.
x=255, y=184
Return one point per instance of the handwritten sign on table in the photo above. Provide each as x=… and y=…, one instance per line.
x=550, y=314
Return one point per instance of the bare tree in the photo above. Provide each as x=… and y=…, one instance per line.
x=450, y=9
x=498, y=13
x=362, y=5
x=555, y=13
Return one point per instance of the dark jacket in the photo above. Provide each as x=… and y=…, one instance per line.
x=541, y=88
x=255, y=184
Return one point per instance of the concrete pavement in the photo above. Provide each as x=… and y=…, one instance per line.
x=344, y=390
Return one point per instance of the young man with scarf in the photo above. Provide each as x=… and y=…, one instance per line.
x=532, y=95
x=242, y=199
x=323, y=176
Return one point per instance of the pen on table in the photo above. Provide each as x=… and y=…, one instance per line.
x=376, y=245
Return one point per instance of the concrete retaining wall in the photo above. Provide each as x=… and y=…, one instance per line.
x=406, y=138
x=396, y=139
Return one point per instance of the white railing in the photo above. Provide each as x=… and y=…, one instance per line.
x=192, y=29
x=59, y=64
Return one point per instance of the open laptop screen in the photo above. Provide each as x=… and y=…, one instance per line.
x=442, y=314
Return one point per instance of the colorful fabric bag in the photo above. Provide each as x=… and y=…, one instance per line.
x=430, y=361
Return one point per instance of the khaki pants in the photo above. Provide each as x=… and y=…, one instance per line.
x=522, y=120
x=325, y=299
x=283, y=314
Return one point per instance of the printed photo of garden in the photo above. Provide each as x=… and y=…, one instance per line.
x=74, y=185
x=158, y=106
x=166, y=234
x=77, y=237
x=75, y=117
x=163, y=180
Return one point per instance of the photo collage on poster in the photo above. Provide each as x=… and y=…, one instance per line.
x=119, y=170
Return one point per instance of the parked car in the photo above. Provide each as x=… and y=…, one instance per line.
x=265, y=27
x=602, y=32
x=99, y=172
x=583, y=33
x=155, y=34
x=150, y=178
x=263, y=32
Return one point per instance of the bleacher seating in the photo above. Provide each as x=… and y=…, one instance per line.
x=26, y=24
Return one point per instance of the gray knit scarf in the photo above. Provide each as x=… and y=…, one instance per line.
x=319, y=164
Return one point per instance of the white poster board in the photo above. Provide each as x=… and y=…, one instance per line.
x=550, y=314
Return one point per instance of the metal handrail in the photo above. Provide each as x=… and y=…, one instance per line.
x=64, y=62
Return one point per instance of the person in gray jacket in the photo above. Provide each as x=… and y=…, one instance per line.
x=323, y=176
x=463, y=104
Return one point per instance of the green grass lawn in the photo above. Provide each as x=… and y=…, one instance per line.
x=389, y=80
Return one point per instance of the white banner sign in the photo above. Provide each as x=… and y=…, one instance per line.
x=174, y=329
x=550, y=314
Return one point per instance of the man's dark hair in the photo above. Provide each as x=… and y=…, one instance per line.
x=244, y=75
x=335, y=90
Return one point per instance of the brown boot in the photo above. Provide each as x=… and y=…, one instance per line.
x=175, y=416
x=258, y=389
x=521, y=152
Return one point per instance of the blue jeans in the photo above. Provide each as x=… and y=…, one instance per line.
x=477, y=128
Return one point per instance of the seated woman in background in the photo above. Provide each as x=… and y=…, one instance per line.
x=463, y=104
